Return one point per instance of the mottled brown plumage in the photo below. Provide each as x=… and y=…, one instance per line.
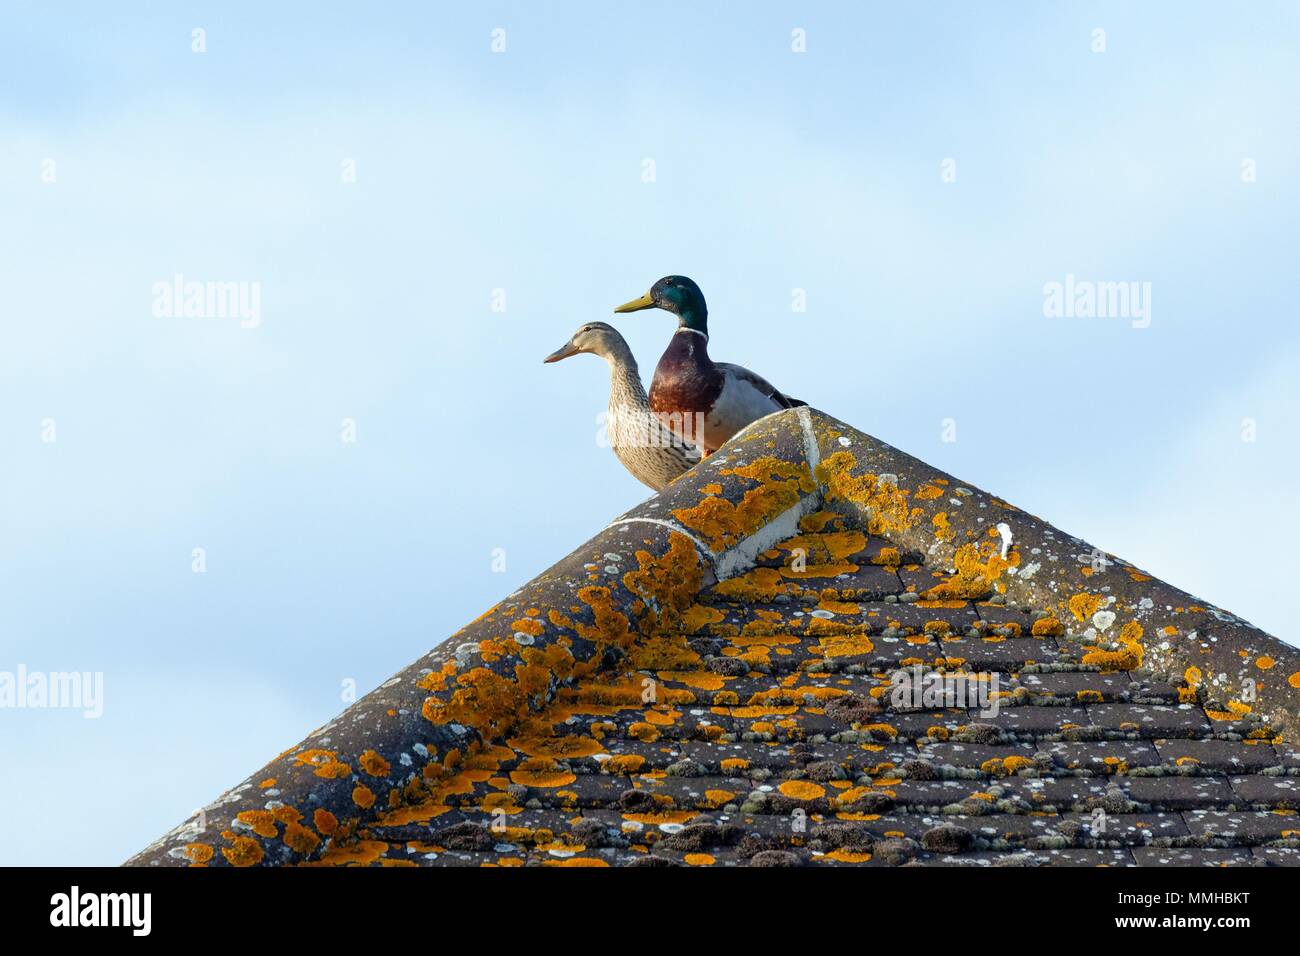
x=648, y=450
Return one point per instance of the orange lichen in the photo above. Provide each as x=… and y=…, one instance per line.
x=363, y=796
x=243, y=851
x=496, y=803
x=361, y=853
x=838, y=607
x=755, y=711
x=611, y=624
x=698, y=616
x=663, y=718
x=979, y=566
x=624, y=764
x=262, y=822
x=300, y=839
x=756, y=587
x=541, y=772
x=886, y=504
x=802, y=789
x=818, y=520
x=847, y=856
x=200, y=854
x=1084, y=605
x=542, y=668
x=577, y=861
x=846, y=645
x=828, y=547
x=1126, y=658
x=1006, y=766
x=1236, y=710
x=663, y=652
x=1265, y=662
x=780, y=484
x=326, y=763
x=437, y=680
x=373, y=764
x=1047, y=627
x=488, y=702
x=718, y=798
x=669, y=583
x=530, y=626
x=287, y=814
x=643, y=731
x=706, y=680
x=570, y=745
x=546, y=779
x=325, y=822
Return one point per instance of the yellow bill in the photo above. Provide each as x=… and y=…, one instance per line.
x=636, y=305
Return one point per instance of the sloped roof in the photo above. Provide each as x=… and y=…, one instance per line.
x=708, y=682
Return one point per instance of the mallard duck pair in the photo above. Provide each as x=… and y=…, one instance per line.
x=694, y=405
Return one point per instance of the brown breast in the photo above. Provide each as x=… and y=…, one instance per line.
x=686, y=384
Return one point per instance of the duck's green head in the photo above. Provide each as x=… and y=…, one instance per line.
x=675, y=294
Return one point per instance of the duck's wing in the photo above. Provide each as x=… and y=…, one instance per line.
x=769, y=391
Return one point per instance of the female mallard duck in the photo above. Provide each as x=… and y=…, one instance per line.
x=698, y=399
x=649, y=451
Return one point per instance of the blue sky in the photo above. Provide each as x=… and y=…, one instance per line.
x=523, y=171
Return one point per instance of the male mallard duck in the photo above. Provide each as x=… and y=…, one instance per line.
x=649, y=451
x=699, y=399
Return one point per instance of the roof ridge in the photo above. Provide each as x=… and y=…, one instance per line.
x=598, y=608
